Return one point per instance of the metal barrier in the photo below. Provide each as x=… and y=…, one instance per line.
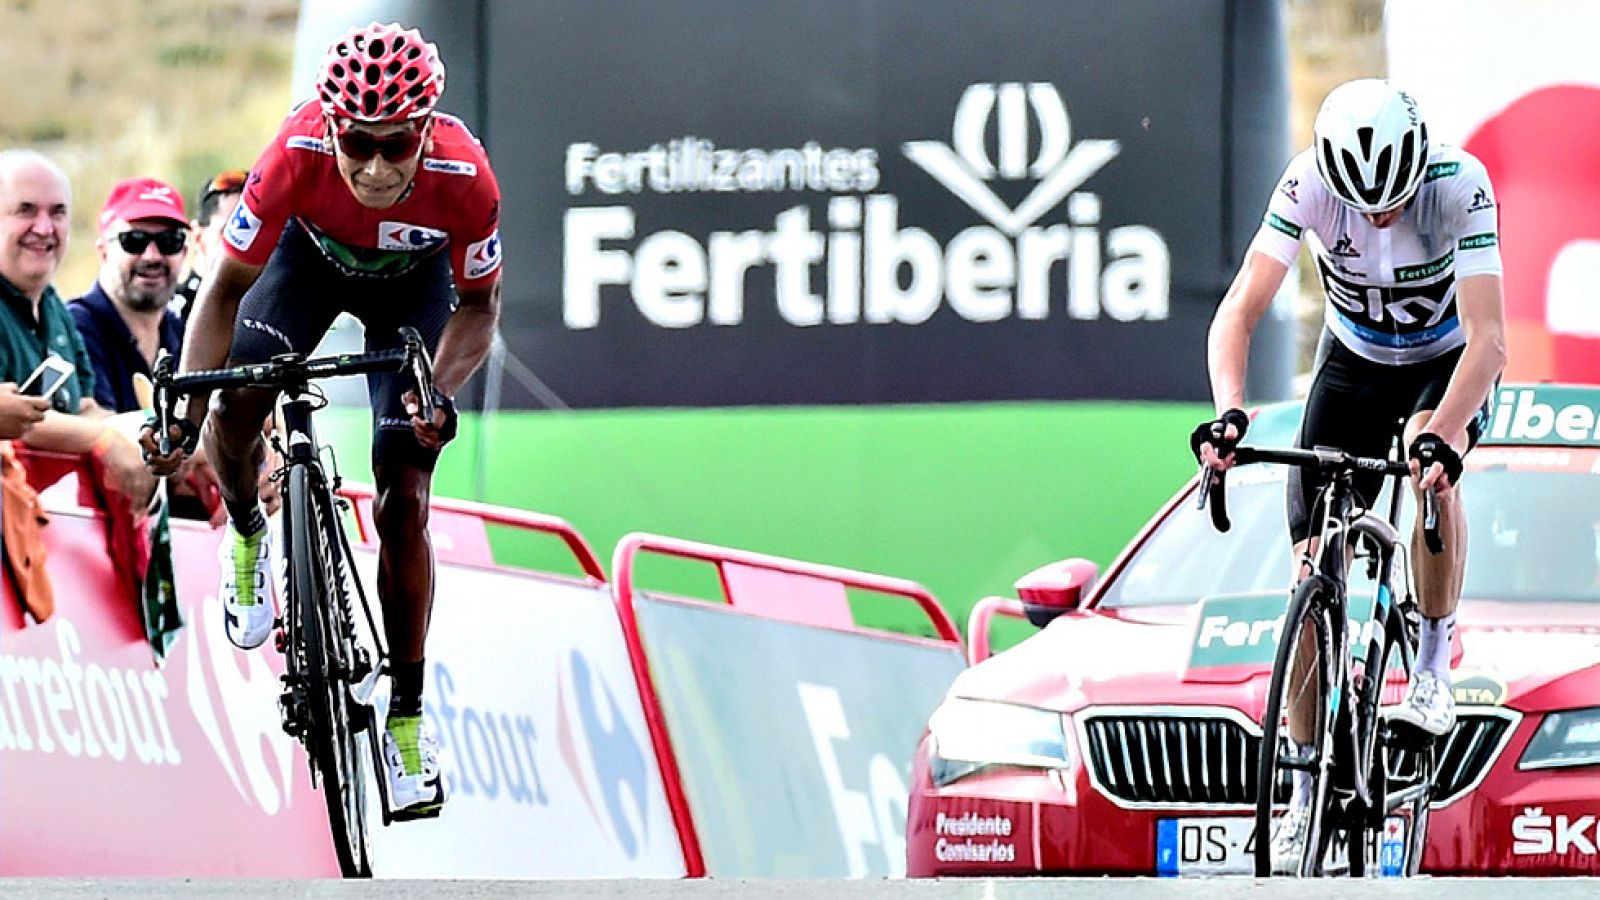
x=734, y=567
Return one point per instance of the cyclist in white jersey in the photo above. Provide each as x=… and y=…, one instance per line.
x=1405, y=238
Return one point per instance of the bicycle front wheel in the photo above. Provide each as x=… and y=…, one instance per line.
x=1296, y=733
x=316, y=593
x=1383, y=665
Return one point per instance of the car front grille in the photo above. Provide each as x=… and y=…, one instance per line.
x=1462, y=757
x=1176, y=759
x=1172, y=760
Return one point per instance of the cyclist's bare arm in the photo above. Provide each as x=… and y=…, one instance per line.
x=1479, y=303
x=207, y=339
x=1228, y=343
x=466, y=338
x=210, y=329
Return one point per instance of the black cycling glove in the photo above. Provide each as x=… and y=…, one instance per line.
x=1213, y=432
x=447, y=431
x=1429, y=448
x=189, y=440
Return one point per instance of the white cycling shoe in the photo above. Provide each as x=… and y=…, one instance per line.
x=1429, y=706
x=1289, y=839
x=246, y=598
x=411, y=765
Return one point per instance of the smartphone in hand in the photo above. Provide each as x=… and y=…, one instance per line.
x=48, y=378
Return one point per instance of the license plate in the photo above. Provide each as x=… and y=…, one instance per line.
x=1213, y=845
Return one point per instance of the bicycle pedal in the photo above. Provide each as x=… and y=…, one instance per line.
x=292, y=711
x=1405, y=736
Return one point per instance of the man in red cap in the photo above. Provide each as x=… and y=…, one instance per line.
x=125, y=318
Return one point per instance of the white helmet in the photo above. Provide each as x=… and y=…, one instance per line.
x=1371, y=145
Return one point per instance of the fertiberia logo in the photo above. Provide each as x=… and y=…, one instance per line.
x=867, y=267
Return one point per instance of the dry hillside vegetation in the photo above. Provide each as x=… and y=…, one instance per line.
x=177, y=89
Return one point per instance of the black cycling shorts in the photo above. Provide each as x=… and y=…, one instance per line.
x=1359, y=406
x=300, y=293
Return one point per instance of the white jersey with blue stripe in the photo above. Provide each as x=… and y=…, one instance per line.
x=1391, y=292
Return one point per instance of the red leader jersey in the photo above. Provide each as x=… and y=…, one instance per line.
x=453, y=201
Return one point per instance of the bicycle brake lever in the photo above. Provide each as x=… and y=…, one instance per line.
x=1430, y=523
x=1215, y=482
x=162, y=399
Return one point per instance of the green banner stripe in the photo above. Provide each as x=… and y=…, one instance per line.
x=1475, y=241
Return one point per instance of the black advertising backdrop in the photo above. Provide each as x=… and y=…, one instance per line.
x=713, y=202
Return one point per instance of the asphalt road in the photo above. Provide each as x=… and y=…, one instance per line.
x=984, y=889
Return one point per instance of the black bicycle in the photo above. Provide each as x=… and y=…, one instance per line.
x=1361, y=771
x=329, y=672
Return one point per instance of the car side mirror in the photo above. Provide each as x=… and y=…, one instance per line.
x=1059, y=587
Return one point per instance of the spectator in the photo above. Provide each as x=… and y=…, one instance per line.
x=35, y=198
x=214, y=207
x=125, y=319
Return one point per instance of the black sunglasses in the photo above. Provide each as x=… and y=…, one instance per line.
x=361, y=146
x=134, y=240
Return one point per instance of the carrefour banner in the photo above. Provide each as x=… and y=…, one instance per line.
x=1527, y=103
x=794, y=742
x=543, y=739
x=712, y=202
x=113, y=766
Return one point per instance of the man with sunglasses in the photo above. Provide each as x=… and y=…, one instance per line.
x=126, y=317
x=217, y=199
x=367, y=202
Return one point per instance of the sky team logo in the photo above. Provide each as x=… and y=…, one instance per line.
x=243, y=226
x=403, y=236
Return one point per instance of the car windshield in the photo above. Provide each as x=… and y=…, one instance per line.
x=1531, y=517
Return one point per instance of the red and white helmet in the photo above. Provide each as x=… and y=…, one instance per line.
x=379, y=74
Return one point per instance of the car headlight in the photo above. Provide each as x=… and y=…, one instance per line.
x=1568, y=738
x=969, y=735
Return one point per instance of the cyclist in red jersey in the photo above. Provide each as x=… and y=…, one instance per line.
x=368, y=202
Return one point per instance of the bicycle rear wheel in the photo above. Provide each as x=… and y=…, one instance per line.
x=1302, y=679
x=316, y=592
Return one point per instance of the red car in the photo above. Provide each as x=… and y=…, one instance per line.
x=1121, y=738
